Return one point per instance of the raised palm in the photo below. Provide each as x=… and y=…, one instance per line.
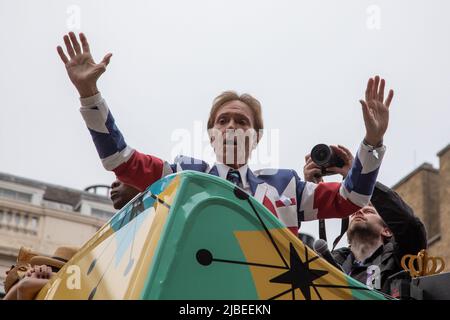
x=81, y=67
x=376, y=110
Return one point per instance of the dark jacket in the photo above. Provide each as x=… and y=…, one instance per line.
x=409, y=237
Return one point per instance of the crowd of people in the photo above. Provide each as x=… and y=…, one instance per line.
x=381, y=226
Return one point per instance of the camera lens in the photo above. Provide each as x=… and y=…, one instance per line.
x=321, y=154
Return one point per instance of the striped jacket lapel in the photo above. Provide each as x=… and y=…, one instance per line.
x=253, y=182
x=214, y=171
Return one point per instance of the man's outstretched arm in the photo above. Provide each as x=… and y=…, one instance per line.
x=338, y=200
x=130, y=166
x=324, y=200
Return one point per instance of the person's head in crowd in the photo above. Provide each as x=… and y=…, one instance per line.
x=38, y=271
x=20, y=269
x=235, y=126
x=367, y=226
x=121, y=194
x=57, y=260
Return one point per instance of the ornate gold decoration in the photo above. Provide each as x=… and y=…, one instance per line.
x=422, y=264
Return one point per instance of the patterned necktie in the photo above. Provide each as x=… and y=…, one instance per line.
x=234, y=177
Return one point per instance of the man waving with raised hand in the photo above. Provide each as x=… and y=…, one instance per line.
x=235, y=127
x=81, y=68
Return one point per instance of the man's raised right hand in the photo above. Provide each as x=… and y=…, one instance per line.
x=81, y=68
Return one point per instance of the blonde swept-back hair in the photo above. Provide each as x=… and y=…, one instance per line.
x=246, y=98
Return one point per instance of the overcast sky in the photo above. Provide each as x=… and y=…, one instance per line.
x=306, y=61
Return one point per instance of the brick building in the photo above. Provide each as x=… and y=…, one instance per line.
x=427, y=191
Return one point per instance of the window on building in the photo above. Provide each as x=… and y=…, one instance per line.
x=2, y=218
x=15, y=195
x=34, y=223
x=25, y=221
x=102, y=214
x=57, y=205
x=9, y=217
x=17, y=219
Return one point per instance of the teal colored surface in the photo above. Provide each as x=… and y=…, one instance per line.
x=204, y=204
x=126, y=214
x=205, y=214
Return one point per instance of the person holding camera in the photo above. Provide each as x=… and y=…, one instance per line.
x=235, y=126
x=379, y=234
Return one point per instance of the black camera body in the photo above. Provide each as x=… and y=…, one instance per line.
x=324, y=156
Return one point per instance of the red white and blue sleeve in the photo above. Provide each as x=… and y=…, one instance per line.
x=339, y=200
x=130, y=166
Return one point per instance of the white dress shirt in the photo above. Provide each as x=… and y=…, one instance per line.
x=223, y=169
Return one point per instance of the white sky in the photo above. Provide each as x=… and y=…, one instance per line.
x=306, y=61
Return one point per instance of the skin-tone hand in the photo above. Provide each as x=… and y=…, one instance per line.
x=346, y=156
x=40, y=272
x=29, y=286
x=80, y=66
x=376, y=110
x=313, y=173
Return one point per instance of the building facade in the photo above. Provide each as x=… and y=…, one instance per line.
x=427, y=191
x=43, y=216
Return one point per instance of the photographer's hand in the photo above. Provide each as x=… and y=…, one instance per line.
x=346, y=156
x=81, y=68
x=311, y=171
x=375, y=111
